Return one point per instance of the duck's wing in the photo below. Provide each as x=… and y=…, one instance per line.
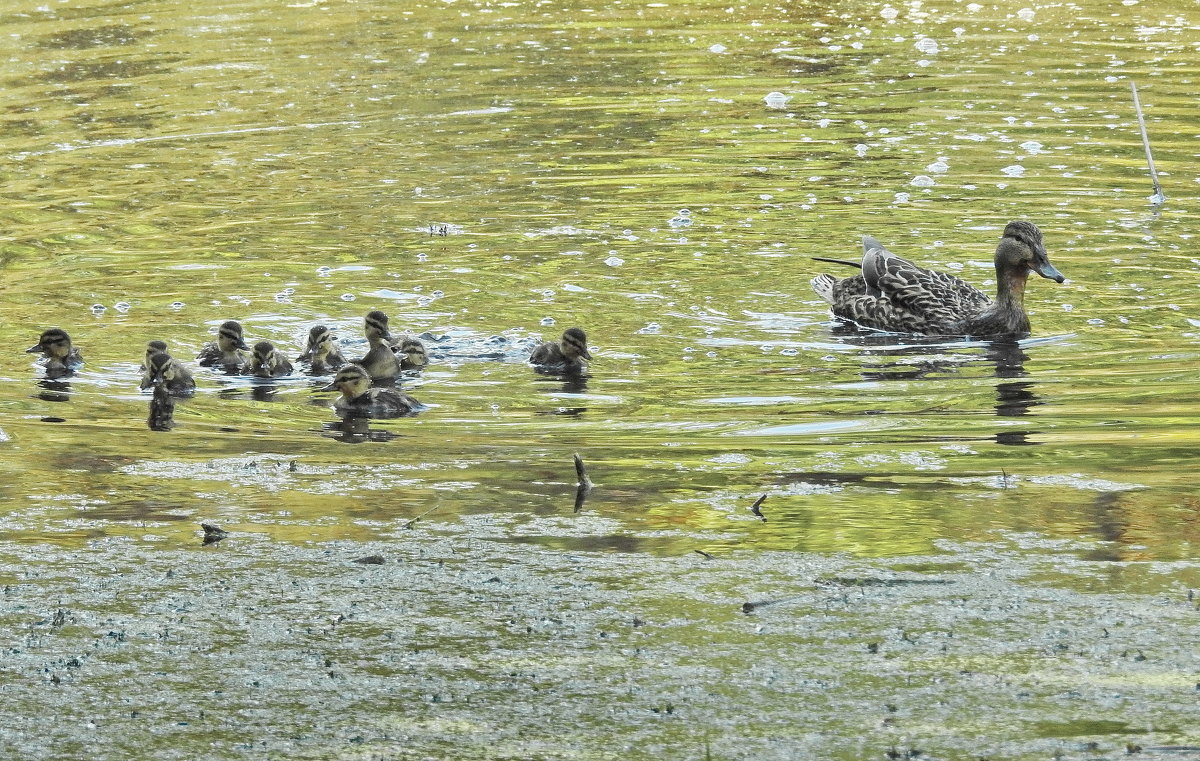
x=938, y=299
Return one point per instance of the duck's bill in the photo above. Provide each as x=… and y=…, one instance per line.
x=330, y=387
x=34, y=349
x=1047, y=270
x=586, y=354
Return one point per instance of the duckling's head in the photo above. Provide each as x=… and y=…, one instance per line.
x=574, y=344
x=414, y=352
x=229, y=336
x=352, y=380
x=1021, y=250
x=264, y=352
x=376, y=325
x=54, y=343
x=160, y=368
x=320, y=342
x=154, y=347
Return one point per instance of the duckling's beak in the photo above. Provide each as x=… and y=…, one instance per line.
x=241, y=344
x=586, y=354
x=34, y=349
x=331, y=387
x=1047, y=270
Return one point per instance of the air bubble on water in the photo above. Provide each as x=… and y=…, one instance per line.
x=1025, y=14
x=651, y=329
x=324, y=271
x=717, y=48
x=861, y=149
x=547, y=321
x=614, y=261
x=938, y=167
x=776, y=100
x=573, y=288
x=1068, y=307
x=1095, y=321
x=888, y=12
x=922, y=181
x=99, y=309
x=177, y=305
x=902, y=198
x=1015, y=170
x=927, y=45
x=680, y=221
x=348, y=297
x=1031, y=146
x=789, y=352
x=121, y=306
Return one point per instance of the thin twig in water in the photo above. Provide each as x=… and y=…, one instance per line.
x=755, y=508
x=1004, y=477
x=413, y=522
x=707, y=556
x=1158, y=196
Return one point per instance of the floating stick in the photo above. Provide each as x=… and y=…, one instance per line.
x=755, y=508
x=1158, y=196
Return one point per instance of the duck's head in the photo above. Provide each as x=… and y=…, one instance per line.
x=352, y=380
x=376, y=326
x=54, y=343
x=414, y=352
x=160, y=367
x=1021, y=251
x=320, y=342
x=264, y=353
x=229, y=336
x=154, y=347
x=574, y=344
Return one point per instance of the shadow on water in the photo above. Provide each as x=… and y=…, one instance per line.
x=162, y=411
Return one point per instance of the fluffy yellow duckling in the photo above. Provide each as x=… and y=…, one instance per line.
x=381, y=362
x=61, y=358
x=164, y=371
x=359, y=398
x=228, y=351
x=566, y=355
x=269, y=362
x=321, y=351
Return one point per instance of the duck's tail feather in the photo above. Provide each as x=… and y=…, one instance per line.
x=823, y=286
x=846, y=262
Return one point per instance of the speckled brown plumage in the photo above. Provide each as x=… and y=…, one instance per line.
x=896, y=295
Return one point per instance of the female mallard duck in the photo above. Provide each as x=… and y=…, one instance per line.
x=896, y=295
x=164, y=371
x=228, y=351
x=566, y=355
x=412, y=354
x=269, y=362
x=359, y=398
x=61, y=358
x=381, y=362
x=321, y=351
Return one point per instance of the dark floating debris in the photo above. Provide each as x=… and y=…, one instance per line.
x=1159, y=197
x=705, y=555
x=755, y=508
x=585, y=483
x=370, y=560
x=213, y=533
x=750, y=607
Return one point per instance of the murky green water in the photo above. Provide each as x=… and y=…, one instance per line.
x=481, y=170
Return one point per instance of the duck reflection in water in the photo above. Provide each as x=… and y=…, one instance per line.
x=572, y=382
x=1014, y=398
x=355, y=429
x=54, y=390
x=257, y=391
x=162, y=409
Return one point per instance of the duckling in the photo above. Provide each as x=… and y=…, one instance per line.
x=381, y=362
x=164, y=371
x=61, y=357
x=412, y=354
x=152, y=347
x=359, y=398
x=228, y=351
x=565, y=356
x=896, y=295
x=268, y=361
x=321, y=350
